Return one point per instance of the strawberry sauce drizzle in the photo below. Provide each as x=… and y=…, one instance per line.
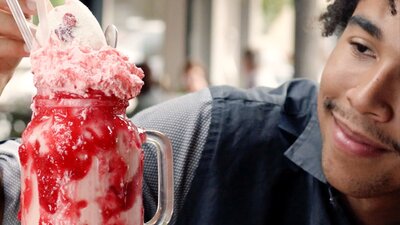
x=73, y=138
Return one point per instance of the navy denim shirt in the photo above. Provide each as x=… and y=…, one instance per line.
x=261, y=163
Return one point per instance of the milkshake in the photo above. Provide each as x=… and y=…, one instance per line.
x=81, y=157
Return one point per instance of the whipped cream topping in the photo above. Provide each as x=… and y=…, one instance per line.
x=78, y=69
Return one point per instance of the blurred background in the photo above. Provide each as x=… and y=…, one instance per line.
x=186, y=45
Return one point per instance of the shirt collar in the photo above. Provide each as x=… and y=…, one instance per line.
x=306, y=150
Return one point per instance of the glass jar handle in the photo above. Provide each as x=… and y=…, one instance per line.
x=165, y=177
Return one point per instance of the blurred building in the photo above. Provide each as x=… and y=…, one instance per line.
x=215, y=33
x=166, y=34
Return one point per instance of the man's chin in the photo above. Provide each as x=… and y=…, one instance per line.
x=348, y=180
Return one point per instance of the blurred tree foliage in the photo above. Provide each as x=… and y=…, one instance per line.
x=54, y=3
x=57, y=2
x=272, y=8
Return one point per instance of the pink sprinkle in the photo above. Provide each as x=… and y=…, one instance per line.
x=69, y=20
x=64, y=31
x=64, y=34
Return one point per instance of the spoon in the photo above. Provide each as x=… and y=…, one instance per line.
x=21, y=22
x=111, y=34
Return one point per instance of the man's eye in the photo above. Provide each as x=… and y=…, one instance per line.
x=362, y=50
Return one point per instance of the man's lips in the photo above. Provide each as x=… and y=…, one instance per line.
x=351, y=141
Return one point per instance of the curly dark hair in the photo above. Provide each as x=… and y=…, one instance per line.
x=338, y=13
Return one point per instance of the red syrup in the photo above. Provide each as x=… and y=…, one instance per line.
x=82, y=163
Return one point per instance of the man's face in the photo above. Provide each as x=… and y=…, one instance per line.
x=359, y=104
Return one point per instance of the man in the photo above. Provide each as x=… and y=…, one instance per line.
x=286, y=156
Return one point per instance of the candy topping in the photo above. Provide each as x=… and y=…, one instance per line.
x=64, y=31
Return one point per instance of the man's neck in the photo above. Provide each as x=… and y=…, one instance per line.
x=376, y=211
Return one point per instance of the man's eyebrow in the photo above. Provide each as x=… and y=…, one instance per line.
x=366, y=25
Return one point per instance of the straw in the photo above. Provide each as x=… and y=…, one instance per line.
x=42, y=13
x=21, y=22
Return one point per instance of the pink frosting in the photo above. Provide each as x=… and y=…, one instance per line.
x=76, y=70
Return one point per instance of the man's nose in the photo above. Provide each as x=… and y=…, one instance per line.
x=375, y=94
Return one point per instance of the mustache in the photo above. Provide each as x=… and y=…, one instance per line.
x=366, y=125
